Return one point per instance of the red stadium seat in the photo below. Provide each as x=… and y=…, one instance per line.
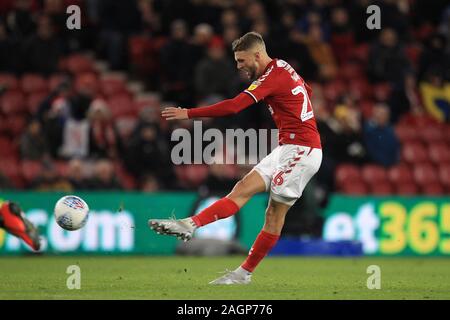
x=9, y=81
x=439, y=152
x=333, y=90
x=87, y=81
x=360, y=88
x=361, y=52
x=347, y=173
x=55, y=80
x=8, y=148
x=191, y=175
x=121, y=105
x=414, y=152
x=366, y=107
x=406, y=133
x=400, y=174
x=432, y=134
x=33, y=83
x=16, y=125
x=111, y=86
x=10, y=168
x=433, y=189
x=78, y=64
x=406, y=189
x=373, y=174
x=381, y=188
x=30, y=169
x=425, y=174
x=444, y=175
x=62, y=167
x=34, y=100
x=13, y=102
x=354, y=188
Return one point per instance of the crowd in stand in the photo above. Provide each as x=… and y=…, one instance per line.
x=364, y=82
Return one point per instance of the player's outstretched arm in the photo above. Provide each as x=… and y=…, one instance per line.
x=220, y=109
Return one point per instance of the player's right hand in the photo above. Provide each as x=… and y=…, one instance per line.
x=172, y=113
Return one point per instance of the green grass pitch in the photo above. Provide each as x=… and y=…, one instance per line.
x=185, y=278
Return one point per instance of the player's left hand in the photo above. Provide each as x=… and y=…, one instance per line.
x=172, y=113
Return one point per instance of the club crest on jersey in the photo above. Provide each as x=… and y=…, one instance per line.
x=254, y=85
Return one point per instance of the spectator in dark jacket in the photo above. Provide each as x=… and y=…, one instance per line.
x=383, y=146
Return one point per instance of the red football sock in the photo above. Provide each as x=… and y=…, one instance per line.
x=262, y=246
x=220, y=209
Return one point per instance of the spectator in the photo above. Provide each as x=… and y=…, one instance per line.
x=215, y=75
x=33, y=145
x=321, y=52
x=10, y=61
x=76, y=174
x=387, y=59
x=103, y=136
x=383, y=146
x=42, y=50
x=178, y=61
x=104, y=176
x=349, y=140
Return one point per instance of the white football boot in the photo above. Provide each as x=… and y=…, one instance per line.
x=238, y=276
x=183, y=229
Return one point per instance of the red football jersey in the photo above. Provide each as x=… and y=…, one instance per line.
x=288, y=98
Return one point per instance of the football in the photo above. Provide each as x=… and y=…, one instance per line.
x=71, y=212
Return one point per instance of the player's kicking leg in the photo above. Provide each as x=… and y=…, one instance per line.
x=13, y=220
x=267, y=238
x=223, y=208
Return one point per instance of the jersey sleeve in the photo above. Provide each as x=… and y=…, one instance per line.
x=265, y=85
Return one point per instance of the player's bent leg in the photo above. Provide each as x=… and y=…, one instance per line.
x=223, y=208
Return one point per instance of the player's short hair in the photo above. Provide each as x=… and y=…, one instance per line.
x=247, y=41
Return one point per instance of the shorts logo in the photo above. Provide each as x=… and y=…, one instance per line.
x=278, y=179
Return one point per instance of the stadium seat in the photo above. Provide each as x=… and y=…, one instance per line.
x=439, y=152
x=191, y=175
x=444, y=175
x=432, y=134
x=122, y=105
x=30, y=169
x=62, y=167
x=354, y=188
x=13, y=102
x=10, y=168
x=55, y=80
x=9, y=81
x=111, y=86
x=381, y=188
x=425, y=174
x=366, y=107
x=33, y=83
x=333, y=90
x=400, y=174
x=8, y=148
x=373, y=174
x=433, y=189
x=78, y=64
x=360, y=88
x=361, y=52
x=414, y=152
x=16, y=125
x=406, y=189
x=347, y=173
x=406, y=133
x=34, y=100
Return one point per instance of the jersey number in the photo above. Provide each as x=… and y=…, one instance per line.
x=305, y=114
